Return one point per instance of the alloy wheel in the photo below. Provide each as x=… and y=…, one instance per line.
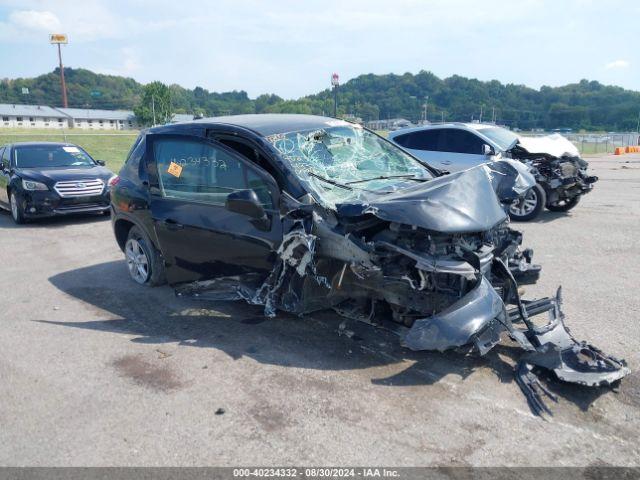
x=526, y=205
x=137, y=261
x=14, y=207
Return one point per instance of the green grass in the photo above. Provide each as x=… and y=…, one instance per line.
x=110, y=146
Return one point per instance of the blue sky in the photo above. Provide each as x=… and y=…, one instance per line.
x=291, y=47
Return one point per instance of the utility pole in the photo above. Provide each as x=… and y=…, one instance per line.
x=335, y=81
x=153, y=108
x=58, y=39
x=480, y=119
x=425, y=106
x=493, y=115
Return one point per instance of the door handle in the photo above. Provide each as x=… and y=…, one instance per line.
x=170, y=224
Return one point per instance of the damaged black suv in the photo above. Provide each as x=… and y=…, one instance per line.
x=301, y=213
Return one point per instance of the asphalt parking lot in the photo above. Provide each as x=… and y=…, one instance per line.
x=98, y=371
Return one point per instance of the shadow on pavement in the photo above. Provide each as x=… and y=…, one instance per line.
x=156, y=316
x=545, y=217
x=50, y=222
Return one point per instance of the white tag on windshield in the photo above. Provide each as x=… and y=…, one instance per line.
x=71, y=149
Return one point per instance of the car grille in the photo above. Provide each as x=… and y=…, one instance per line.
x=79, y=188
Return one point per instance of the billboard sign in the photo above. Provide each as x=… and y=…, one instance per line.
x=58, y=38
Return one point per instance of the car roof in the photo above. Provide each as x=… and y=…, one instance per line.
x=264, y=124
x=39, y=144
x=433, y=126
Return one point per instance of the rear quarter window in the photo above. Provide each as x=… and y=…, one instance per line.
x=131, y=168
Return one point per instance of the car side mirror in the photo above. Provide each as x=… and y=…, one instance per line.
x=246, y=202
x=488, y=150
x=102, y=163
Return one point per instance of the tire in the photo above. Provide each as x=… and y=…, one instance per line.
x=566, y=205
x=144, y=262
x=17, y=213
x=530, y=206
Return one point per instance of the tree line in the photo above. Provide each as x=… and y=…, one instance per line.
x=587, y=105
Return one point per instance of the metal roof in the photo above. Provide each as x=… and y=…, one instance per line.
x=29, y=110
x=92, y=114
x=40, y=144
x=271, y=123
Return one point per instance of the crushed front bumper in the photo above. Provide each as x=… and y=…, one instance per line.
x=481, y=317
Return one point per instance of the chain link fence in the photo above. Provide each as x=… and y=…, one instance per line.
x=597, y=143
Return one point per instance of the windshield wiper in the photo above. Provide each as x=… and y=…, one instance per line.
x=331, y=182
x=385, y=177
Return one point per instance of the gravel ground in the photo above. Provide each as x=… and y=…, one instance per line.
x=98, y=371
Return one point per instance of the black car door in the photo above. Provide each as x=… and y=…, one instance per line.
x=190, y=179
x=5, y=176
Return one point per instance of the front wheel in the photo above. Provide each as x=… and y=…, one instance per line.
x=530, y=206
x=17, y=213
x=564, y=205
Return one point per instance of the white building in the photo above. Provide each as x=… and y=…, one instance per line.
x=31, y=116
x=40, y=116
x=181, y=117
x=90, y=119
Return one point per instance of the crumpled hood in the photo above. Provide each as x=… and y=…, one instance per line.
x=460, y=202
x=53, y=175
x=555, y=145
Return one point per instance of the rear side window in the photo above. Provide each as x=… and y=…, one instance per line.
x=460, y=141
x=131, y=168
x=422, y=140
x=197, y=171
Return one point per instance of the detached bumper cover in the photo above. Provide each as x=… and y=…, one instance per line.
x=480, y=317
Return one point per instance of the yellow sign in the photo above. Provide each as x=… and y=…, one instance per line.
x=58, y=38
x=175, y=169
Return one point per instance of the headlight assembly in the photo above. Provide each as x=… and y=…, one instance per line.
x=31, y=185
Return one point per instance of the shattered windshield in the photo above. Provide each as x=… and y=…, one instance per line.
x=500, y=136
x=343, y=163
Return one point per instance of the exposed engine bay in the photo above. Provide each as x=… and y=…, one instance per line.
x=558, y=168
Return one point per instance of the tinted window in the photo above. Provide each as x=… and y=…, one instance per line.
x=459, y=141
x=423, y=140
x=6, y=156
x=132, y=167
x=197, y=171
x=48, y=156
x=503, y=137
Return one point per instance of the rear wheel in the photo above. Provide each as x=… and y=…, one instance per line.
x=530, y=206
x=564, y=205
x=144, y=262
x=16, y=209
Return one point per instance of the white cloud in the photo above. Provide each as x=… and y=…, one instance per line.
x=35, y=20
x=129, y=64
x=617, y=64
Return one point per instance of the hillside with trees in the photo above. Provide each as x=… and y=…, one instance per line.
x=587, y=105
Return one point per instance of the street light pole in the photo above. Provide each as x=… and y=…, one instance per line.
x=62, y=83
x=335, y=81
x=58, y=39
